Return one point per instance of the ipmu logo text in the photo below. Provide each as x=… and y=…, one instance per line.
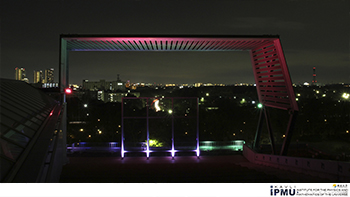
x=282, y=192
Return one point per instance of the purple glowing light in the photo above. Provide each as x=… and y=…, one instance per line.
x=122, y=152
x=147, y=152
x=173, y=152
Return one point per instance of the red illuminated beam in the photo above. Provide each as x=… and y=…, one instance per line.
x=168, y=43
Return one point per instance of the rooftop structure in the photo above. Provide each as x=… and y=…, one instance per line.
x=31, y=135
x=273, y=82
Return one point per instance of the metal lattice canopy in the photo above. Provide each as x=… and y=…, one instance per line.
x=270, y=69
x=273, y=83
x=165, y=43
x=123, y=43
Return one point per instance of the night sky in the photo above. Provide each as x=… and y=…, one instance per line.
x=313, y=33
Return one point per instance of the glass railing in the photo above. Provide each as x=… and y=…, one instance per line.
x=207, y=146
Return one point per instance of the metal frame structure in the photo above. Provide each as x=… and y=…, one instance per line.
x=273, y=82
x=148, y=151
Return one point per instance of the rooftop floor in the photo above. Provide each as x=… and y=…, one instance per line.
x=95, y=168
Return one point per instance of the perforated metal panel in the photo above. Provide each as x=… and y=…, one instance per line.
x=164, y=44
x=272, y=77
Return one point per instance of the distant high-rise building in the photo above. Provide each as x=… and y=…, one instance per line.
x=49, y=75
x=101, y=95
x=314, y=81
x=38, y=76
x=20, y=73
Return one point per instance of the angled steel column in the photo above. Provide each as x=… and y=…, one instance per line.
x=289, y=131
x=274, y=86
x=293, y=110
x=256, y=144
x=269, y=129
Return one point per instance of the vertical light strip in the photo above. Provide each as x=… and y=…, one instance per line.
x=122, y=137
x=172, y=131
x=198, y=151
x=147, y=152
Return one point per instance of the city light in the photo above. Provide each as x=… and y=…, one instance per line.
x=85, y=105
x=346, y=95
x=155, y=143
x=172, y=152
x=81, y=129
x=170, y=111
x=156, y=105
x=68, y=91
x=260, y=105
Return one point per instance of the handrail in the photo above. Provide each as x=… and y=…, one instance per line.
x=29, y=166
x=332, y=170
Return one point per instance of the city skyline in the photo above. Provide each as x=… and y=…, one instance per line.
x=309, y=39
x=148, y=83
